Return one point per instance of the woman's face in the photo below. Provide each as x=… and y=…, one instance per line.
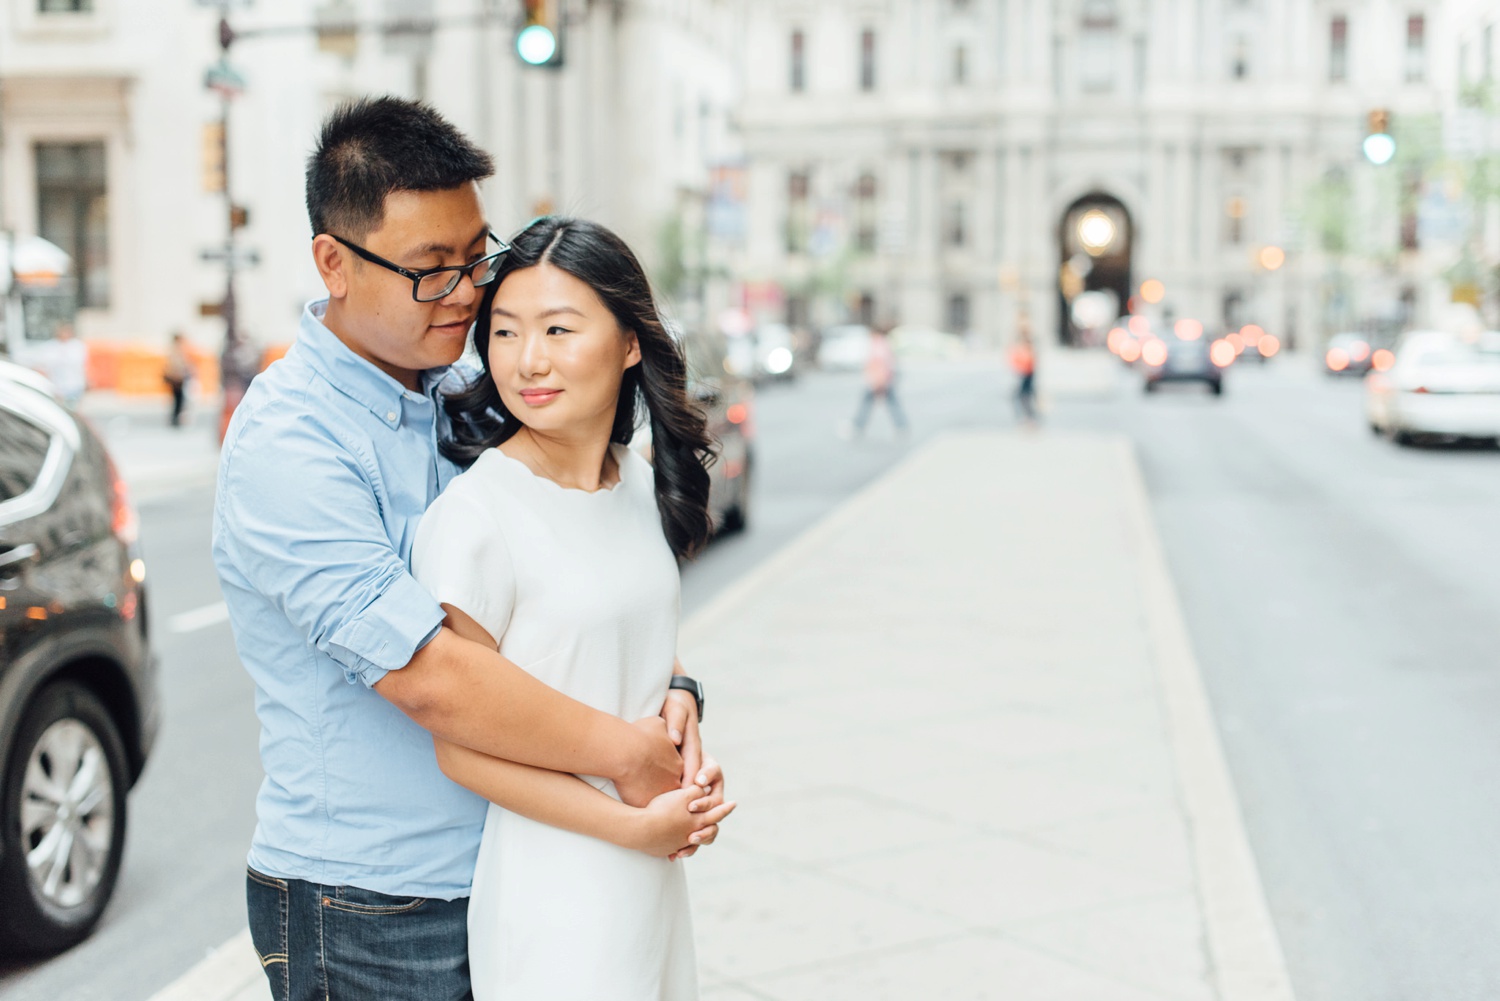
x=557, y=354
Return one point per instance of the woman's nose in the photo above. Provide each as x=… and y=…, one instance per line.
x=534, y=356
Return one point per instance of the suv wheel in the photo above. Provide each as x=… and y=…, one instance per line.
x=63, y=820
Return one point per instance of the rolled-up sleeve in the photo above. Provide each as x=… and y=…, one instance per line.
x=301, y=522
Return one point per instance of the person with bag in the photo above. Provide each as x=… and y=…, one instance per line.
x=177, y=373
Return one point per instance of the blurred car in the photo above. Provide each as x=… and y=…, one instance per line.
x=1439, y=385
x=728, y=401
x=78, y=700
x=739, y=354
x=1348, y=354
x=1252, y=342
x=1173, y=359
x=775, y=352
x=844, y=348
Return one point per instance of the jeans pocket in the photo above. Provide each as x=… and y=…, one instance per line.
x=353, y=900
x=267, y=902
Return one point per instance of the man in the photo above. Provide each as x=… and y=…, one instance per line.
x=65, y=361
x=363, y=852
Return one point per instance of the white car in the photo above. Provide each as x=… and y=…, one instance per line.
x=775, y=351
x=845, y=347
x=1441, y=385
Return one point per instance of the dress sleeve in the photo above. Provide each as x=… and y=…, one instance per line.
x=461, y=558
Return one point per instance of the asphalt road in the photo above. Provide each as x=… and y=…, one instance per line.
x=1339, y=591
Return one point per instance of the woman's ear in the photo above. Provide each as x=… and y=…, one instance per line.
x=633, y=354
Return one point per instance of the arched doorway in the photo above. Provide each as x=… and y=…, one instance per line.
x=1095, y=237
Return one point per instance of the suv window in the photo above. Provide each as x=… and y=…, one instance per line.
x=23, y=450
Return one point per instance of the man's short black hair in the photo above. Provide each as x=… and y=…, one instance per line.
x=373, y=146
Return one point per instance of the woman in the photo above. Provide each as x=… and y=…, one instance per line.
x=559, y=547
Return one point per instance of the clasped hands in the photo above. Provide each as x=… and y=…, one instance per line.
x=676, y=822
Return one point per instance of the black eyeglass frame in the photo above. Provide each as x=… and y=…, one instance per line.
x=415, y=277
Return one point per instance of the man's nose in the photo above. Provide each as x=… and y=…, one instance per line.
x=462, y=294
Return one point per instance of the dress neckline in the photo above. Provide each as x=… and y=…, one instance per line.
x=615, y=449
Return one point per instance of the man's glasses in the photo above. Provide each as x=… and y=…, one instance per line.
x=431, y=284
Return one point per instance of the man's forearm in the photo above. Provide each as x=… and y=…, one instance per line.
x=464, y=693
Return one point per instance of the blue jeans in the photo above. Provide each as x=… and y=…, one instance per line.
x=341, y=943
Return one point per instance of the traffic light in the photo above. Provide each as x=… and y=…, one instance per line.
x=1379, y=146
x=539, y=42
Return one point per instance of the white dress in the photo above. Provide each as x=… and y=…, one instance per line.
x=582, y=591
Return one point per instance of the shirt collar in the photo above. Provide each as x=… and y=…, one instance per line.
x=354, y=376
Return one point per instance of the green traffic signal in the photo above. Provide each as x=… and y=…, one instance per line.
x=536, y=45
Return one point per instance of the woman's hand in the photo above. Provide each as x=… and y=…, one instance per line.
x=666, y=827
x=710, y=783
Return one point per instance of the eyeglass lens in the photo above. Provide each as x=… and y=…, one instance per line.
x=482, y=272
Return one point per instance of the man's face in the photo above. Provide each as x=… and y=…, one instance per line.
x=376, y=314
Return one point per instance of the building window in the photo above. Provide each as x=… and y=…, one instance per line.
x=1234, y=221
x=867, y=59
x=960, y=65
x=866, y=214
x=73, y=212
x=865, y=309
x=958, y=313
x=1096, y=47
x=65, y=6
x=799, y=212
x=955, y=233
x=1416, y=48
x=1239, y=63
x=799, y=62
x=1338, y=49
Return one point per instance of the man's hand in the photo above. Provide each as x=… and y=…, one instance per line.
x=680, y=712
x=654, y=765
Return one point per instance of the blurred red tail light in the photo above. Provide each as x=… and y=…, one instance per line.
x=123, y=521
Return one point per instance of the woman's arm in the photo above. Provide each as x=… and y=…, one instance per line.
x=565, y=801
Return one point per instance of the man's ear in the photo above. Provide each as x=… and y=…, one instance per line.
x=331, y=262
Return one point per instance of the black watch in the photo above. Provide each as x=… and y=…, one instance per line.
x=687, y=684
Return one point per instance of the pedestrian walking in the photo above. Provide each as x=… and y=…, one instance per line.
x=362, y=862
x=178, y=372
x=1023, y=364
x=880, y=382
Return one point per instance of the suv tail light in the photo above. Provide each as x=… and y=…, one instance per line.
x=123, y=521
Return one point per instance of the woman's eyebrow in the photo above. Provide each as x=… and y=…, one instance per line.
x=554, y=311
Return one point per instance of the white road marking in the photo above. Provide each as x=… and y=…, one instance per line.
x=199, y=618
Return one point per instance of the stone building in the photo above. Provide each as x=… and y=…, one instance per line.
x=935, y=159
x=107, y=134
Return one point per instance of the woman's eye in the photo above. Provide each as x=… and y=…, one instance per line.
x=558, y=330
x=501, y=333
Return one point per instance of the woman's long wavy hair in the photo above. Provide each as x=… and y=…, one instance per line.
x=681, y=445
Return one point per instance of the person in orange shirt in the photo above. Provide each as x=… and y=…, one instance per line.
x=1023, y=364
x=880, y=381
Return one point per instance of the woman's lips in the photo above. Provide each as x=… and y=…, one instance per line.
x=537, y=397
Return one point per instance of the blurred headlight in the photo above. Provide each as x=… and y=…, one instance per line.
x=138, y=571
x=779, y=360
x=1221, y=353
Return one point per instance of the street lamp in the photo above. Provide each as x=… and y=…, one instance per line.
x=1379, y=145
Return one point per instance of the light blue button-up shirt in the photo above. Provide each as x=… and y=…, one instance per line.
x=325, y=472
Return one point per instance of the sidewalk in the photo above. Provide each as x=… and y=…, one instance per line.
x=972, y=751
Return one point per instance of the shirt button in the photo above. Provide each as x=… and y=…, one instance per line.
x=391, y=416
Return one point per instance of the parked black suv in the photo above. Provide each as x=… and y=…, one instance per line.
x=78, y=703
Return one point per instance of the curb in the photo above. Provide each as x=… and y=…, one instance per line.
x=1244, y=953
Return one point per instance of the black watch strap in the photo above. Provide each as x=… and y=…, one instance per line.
x=686, y=684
